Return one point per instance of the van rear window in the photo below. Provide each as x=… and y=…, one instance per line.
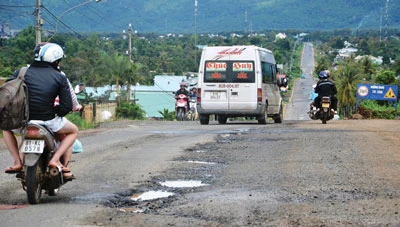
x=229, y=72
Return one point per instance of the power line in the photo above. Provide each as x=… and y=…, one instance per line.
x=60, y=21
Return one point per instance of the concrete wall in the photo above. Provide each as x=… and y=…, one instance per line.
x=95, y=112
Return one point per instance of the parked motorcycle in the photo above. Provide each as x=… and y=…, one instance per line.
x=38, y=146
x=181, y=107
x=324, y=113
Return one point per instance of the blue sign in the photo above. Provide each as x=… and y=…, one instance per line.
x=377, y=92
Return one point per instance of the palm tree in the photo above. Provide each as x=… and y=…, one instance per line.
x=118, y=66
x=368, y=67
x=348, y=77
x=132, y=77
x=163, y=61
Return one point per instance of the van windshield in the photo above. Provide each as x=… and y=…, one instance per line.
x=229, y=72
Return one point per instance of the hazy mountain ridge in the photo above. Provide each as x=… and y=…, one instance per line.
x=178, y=16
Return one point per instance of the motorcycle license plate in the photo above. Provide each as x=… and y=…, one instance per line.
x=325, y=105
x=33, y=146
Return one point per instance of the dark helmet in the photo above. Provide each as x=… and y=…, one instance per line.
x=322, y=75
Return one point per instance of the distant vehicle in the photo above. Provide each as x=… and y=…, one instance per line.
x=283, y=82
x=181, y=107
x=238, y=81
x=303, y=76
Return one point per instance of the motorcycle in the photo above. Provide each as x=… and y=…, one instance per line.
x=38, y=146
x=324, y=113
x=193, y=108
x=181, y=107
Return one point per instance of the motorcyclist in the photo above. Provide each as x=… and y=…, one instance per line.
x=182, y=90
x=45, y=82
x=325, y=87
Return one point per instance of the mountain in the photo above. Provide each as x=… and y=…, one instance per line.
x=178, y=16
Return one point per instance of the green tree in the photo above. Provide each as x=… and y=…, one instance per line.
x=118, y=66
x=386, y=77
x=348, y=76
x=369, y=68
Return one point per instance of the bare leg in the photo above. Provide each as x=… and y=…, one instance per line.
x=71, y=133
x=66, y=157
x=12, y=146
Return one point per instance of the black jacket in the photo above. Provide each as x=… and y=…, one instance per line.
x=325, y=88
x=45, y=83
x=185, y=92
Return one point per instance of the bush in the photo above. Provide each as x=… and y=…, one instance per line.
x=167, y=115
x=78, y=121
x=130, y=110
x=371, y=109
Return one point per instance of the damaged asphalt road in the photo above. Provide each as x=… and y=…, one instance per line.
x=291, y=174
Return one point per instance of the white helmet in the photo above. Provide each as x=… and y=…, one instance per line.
x=50, y=52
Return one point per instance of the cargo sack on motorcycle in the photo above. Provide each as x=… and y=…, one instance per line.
x=14, y=106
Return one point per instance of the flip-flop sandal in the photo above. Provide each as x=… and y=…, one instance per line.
x=65, y=169
x=12, y=170
x=68, y=177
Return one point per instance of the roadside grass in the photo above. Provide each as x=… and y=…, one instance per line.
x=371, y=109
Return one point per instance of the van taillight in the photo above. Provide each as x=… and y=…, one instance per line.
x=259, y=95
x=198, y=94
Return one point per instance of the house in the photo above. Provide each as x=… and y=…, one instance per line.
x=158, y=97
x=345, y=53
x=4, y=31
x=153, y=98
x=280, y=36
x=376, y=60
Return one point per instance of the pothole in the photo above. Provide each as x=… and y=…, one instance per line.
x=200, y=162
x=151, y=195
x=182, y=184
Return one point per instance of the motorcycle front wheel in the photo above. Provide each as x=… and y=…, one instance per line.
x=33, y=183
x=180, y=114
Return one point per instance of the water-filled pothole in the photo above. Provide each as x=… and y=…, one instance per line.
x=183, y=184
x=150, y=195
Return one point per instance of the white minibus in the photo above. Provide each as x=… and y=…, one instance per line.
x=238, y=81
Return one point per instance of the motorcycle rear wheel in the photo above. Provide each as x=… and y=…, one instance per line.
x=33, y=183
x=324, y=117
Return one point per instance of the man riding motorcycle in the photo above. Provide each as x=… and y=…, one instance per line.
x=325, y=87
x=182, y=90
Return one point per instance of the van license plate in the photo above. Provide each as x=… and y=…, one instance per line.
x=215, y=95
x=33, y=146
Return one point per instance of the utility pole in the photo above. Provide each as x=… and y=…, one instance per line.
x=386, y=19
x=39, y=23
x=130, y=42
x=380, y=27
x=245, y=21
x=195, y=32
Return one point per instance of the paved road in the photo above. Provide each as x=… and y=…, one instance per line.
x=298, y=105
x=298, y=173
